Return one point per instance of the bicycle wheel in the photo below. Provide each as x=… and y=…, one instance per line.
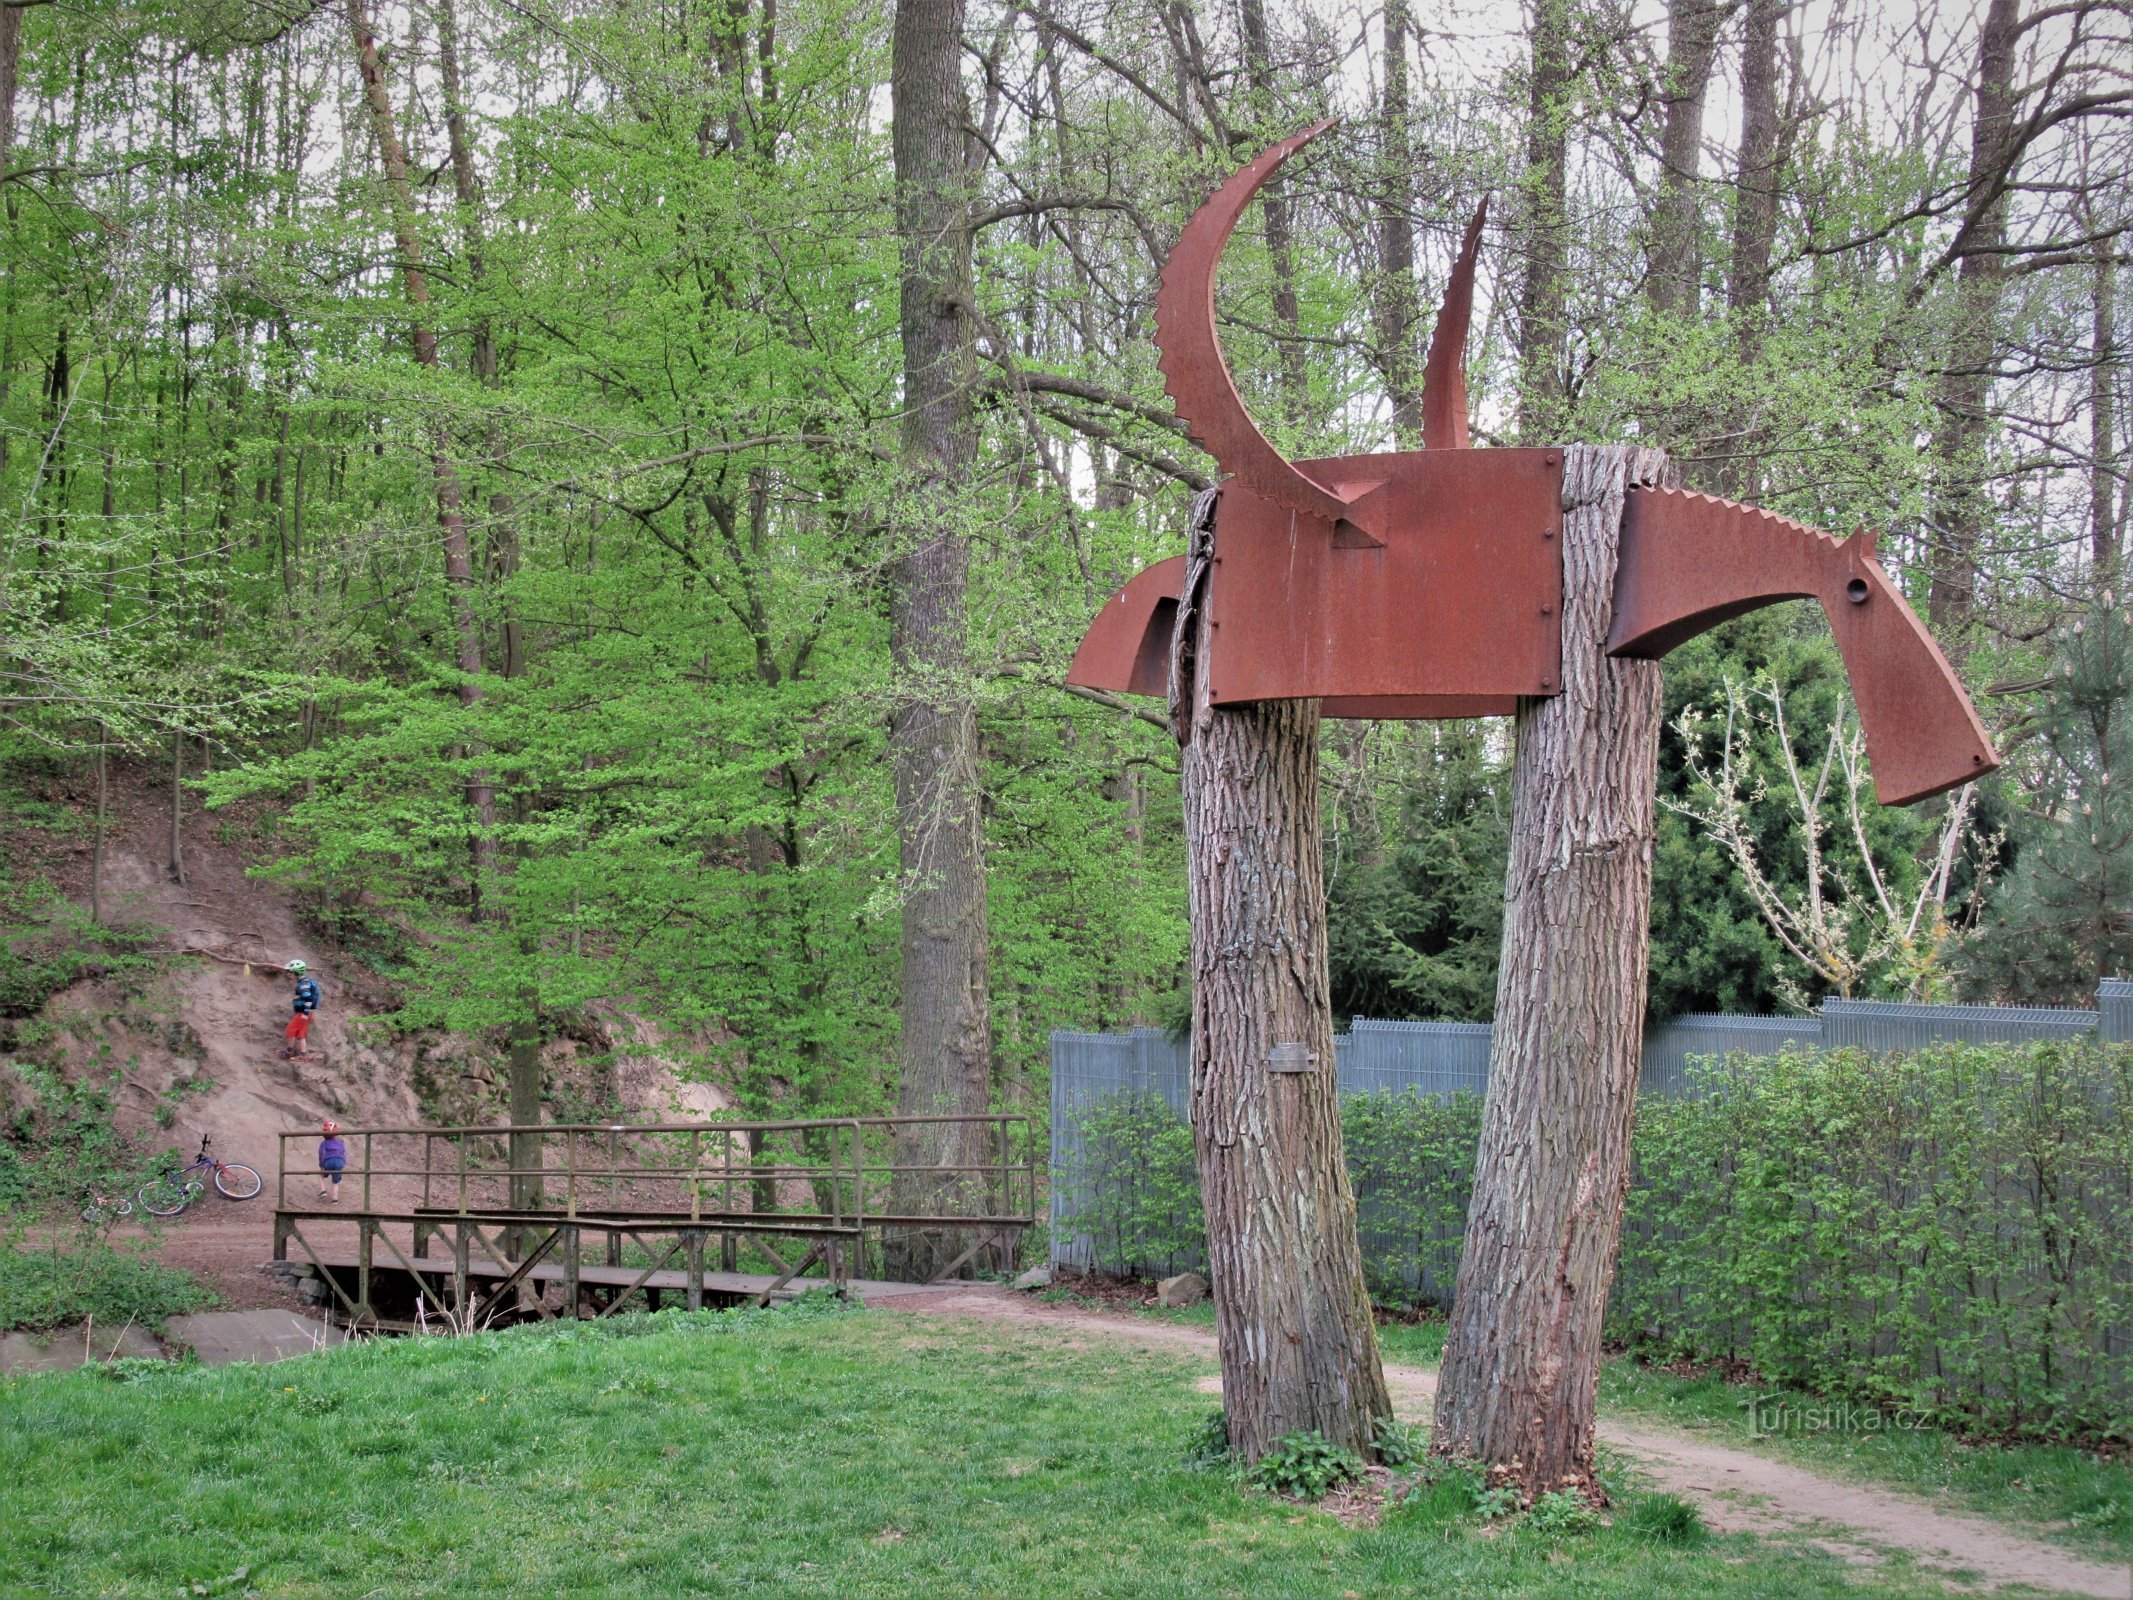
x=166, y=1197
x=236, y=1181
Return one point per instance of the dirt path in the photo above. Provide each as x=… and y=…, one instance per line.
x=1737, y=1490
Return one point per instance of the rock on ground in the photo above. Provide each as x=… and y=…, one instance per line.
x=1186, y=1289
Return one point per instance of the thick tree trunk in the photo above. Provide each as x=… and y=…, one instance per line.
x=945, y=1058
x=1521, y=1361
x=10, y=77
x=177, y=808
x=1299, y=1352
x=1280, y=223
x=1545, y=225
x=451, y=514
x=1397, y=308
x=1755, y=208
x=2105, y=499
x=103, y=815
x=1960, y=501
x=1671, y=286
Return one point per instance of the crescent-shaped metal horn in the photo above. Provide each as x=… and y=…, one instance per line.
x=1195, y=375
x=1444, y=374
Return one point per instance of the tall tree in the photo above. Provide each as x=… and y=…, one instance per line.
x=945, y=1058
x=1522, y=1355
x=451, y=507
x=1544, y=224
x=1397, y=308
x=1961, y=501
x=1292, y=1314
x=1675, y=255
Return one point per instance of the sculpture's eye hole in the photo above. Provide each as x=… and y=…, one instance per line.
x=1856, y=591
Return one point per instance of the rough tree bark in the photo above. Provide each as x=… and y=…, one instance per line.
x=1280, y=223
x=1755, y=209
x=1398, y=309
x=1521, y=1360
x=1675, y=260
x=1292, y=1316
x=1960, y=509
x=1545, y=225
x=451, y=513
x=945, y=1058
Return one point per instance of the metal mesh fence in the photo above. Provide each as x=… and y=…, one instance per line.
x=1445, y=1058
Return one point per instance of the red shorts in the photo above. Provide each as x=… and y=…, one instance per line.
x=299, y=1026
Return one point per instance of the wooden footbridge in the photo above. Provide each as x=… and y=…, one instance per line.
x=460, y=1227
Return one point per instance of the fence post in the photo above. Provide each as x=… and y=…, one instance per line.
x=2114, y=1004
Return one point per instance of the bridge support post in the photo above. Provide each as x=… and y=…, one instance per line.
x=694, y=1241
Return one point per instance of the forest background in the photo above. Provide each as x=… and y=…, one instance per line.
x=614, y=487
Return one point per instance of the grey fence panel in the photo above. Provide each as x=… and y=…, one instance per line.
x=1669, y=1049
x=1888, y=1025
x=1425, y=1057
x=1088, y=1068
x=2114, y=1008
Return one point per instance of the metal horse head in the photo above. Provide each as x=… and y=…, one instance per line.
x=1429, y=583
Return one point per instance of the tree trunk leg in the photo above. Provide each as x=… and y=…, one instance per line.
x=1299, y=1351
x=1521, y=1360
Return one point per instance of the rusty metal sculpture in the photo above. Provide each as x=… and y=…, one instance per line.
x=1428, y=583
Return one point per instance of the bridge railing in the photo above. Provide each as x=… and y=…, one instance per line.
x=837, y=1172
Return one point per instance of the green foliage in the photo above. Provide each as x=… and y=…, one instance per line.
x=59, y=1143
x=1137, y=1188
x=1414, y=902
x=1398, y=1444
x=1304, y=1466
x=58, y=1286
x=2063, y=916
x=1444, y=1491
x=1412, y=1156
x=1562, y=1513
x=1207, y=1447
x=47, y=943
x=1663, y=1519
x=1943, y=1232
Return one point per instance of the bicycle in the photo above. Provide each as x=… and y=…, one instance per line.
x=174, y=1191
x=103, y=1208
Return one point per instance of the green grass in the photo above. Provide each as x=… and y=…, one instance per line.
x=2065, y=1493
x=752, y=1453
x=2076, y=1495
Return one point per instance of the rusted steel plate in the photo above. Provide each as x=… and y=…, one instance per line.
x=1194, y=373
x=1691, y=561
x=1127, y=647
x=1444, y=374
x=1459, y=603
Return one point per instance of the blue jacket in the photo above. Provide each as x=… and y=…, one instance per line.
x=307, y=995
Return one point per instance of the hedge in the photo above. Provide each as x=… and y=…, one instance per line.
x=1949, y=1231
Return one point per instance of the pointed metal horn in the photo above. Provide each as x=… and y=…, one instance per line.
x=1195, y=375
x=1444, y=374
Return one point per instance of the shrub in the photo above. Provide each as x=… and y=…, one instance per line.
x=1942, y=1232
x=1398, y=1444
x=1561, y=1512
x=1208, y=1448
x=1304, y=1466
x=1411, y=1158
x=56, y=1288
x=1134, y=1189
x=1947, y=1233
